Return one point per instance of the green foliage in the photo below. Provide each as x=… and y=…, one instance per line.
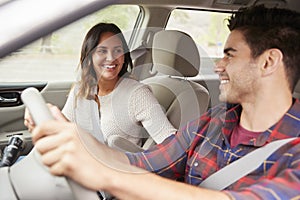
x=122, y=16
x=208, y=29
x=217, y=30
x=69, y=39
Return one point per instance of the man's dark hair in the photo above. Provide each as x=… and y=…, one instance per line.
x=266, y=28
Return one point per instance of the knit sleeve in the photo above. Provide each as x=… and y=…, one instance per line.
x=148, y=111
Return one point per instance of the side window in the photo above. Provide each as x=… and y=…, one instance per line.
x=56, y=56
x=208, y=29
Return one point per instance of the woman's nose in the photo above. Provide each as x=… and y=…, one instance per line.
x=109, y=56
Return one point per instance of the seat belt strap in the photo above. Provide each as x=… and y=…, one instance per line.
x=241, y=167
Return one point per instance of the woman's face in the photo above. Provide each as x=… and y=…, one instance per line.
x=108, y=57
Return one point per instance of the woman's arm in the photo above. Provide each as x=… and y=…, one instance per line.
x=149, y=112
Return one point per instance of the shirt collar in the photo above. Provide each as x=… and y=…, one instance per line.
x=288, y=126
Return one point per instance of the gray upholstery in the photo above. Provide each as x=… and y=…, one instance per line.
x=297, y=90
x=175, y=53
x=175, y=58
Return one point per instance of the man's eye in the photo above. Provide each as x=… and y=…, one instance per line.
x=228, y=55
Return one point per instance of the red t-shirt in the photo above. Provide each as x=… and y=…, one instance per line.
x=242, y=136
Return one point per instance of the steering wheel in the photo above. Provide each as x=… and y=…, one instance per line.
x=29, y=178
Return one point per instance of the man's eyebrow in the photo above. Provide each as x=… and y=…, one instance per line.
x=229, y=49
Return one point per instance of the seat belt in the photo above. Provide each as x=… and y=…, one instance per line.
x=241, y=167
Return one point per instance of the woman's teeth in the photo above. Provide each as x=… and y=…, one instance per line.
x=109, y=66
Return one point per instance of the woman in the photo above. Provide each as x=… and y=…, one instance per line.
x=104, y=101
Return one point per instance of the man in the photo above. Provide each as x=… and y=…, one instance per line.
x=258, y=74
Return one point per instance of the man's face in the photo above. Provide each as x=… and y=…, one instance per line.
x=237, y=70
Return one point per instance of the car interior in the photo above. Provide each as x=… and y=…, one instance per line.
x=167, y=57
x=173, y=62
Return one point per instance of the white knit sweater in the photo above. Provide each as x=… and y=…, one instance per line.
x=124, y=112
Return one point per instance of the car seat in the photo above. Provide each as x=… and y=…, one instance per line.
x=296, y=93
x=175, y=59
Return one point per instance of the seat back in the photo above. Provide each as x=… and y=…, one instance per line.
x=175, y=59
x=296, y=93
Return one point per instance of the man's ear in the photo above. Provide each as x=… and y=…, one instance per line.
x=272, y=59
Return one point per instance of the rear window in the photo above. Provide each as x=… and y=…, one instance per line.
x=208, y=29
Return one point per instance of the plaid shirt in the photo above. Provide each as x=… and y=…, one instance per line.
x=202, y=148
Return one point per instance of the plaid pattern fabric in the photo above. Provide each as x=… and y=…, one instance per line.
x=202, y=148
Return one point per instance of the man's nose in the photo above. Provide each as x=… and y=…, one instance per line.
x=219, y=66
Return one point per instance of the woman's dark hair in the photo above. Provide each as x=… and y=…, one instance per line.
x=88, y=79
x=265, y=28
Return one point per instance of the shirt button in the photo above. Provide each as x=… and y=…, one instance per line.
x=196, y=164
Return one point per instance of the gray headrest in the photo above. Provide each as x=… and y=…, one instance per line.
x=175, y=53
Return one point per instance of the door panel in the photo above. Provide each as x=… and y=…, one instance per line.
x=12, y=116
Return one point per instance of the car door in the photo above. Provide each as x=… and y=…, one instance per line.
x=12, y=108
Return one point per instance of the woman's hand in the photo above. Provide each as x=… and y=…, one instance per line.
x=57, y=114
x=28, y=121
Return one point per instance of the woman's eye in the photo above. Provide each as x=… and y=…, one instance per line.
x=101, y=51
x=118, y=51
